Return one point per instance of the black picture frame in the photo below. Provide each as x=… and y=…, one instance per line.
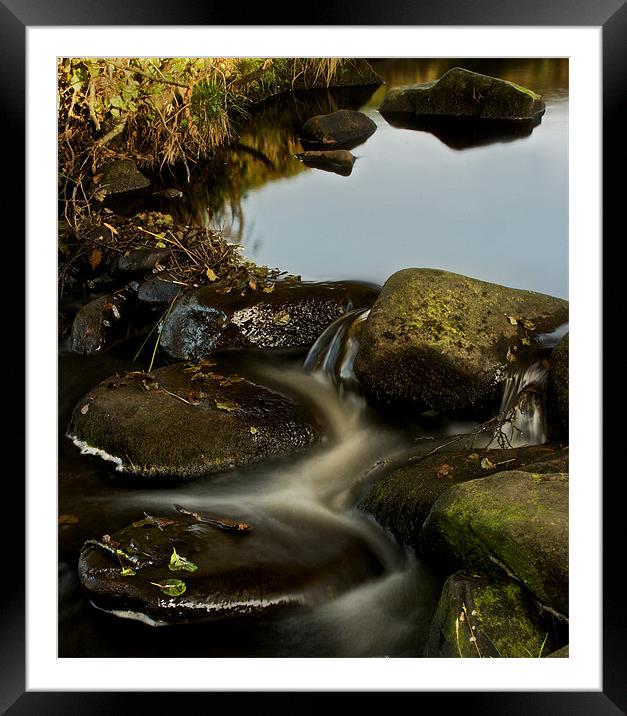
x=611, y=15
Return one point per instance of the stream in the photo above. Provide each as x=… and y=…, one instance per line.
x=494, y=208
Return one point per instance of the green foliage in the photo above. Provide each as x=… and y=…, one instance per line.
x=179, y=563
x=171, y=587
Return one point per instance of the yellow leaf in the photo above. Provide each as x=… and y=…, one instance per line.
x=211, y=275
x=512, y=320
x=111, y=228
x=282, y=318
x=269, y=289
x=226, y=405
x=253, y=431
x=487, y=464
x=95, y=257
x=511, y=358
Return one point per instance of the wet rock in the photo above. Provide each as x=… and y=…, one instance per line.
x=187, y=421
x=157, y=291
x=102, y=320
x=339, y=161
x=292, y=316
x=402, y=498
x=562, y=653
x=436, y=340
x=140, y=261
x=277, y=564
x=557, y=391
x=479, y=617
x=343, y=129
x=462, y=93
x=120, y=177
x=510, y=522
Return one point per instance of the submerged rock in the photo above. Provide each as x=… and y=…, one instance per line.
x=557, y=391
x=275, y=565
x=511, y=522
x=462, y=93
x=101, y=320
x=479, y=617
x=292, y=316
x=436, y=340
x=343, y=129
x=339, y=161
x=120, y=177
x=402, y=499
x=188, y=421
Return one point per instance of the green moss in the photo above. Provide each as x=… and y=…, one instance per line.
x=525, y=90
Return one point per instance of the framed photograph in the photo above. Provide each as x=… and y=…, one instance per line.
x=342, y=217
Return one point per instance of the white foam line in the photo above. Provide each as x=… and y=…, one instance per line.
x=87, y=449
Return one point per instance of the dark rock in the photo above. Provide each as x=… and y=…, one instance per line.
x=562, y=653
x=339, y=161
x=120, y=177
x=292, y=316
x=557, y=391
x=479, y=617
x=511, y=522
x=343, y=129
x=140, y=261
x=102, y=320
x=462, y=93
x=401, y=499
x=436, y=340
x=157, y=291
x=187, y=421
x=277, y=564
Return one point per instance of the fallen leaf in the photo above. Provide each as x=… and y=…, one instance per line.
x=112, y=229
x=211, y=275
x=252, y=285
x=269, y=289
x=443, y=471
x=171, y=587
x=150, y=521
x=68, y=519
x=473, y=456
x=525, y=341
x=84, y=409
x=95, y=257
x=282, y=318
x=178, y=563
x=254, y=431
x=127, y=572
x=227, y=405
x=511, y=358
x=487, y=464
x=529, y=325
x=150, y=384
x=513, y=320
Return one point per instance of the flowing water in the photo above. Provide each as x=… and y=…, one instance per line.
x=490, y=207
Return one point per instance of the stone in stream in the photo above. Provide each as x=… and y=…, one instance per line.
x=120, y=176
x=478, y=617
x=157, y=291
x=140, y=261
x=513, y=523
x=101, y=320
x=275, y=565
x=339, y=161
x=188, y=421
x=343, y=129
x=401, y=499
x=557, y=391
x=436, y=340
x=461, y=93
x=292, y=316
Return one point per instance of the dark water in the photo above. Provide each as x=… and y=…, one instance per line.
x=496, y=210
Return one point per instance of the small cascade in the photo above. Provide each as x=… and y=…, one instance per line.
x=333, y=354
x=522, y=404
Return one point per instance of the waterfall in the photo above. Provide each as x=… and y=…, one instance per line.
x=523, y=404
x=333, y=354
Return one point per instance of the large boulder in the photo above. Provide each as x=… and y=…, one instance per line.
x=511, y=522
x=462, y=93
x=557, y=391
x=479, y=617
x=291, y=316
x=436, y=340
x=187, y=421
x=343, y=129
x=401, y=499
x=258, y=564
x=102, y=320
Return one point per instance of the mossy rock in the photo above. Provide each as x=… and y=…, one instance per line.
x=187, y=421
x=436, y=340
x=479, y=617
x=462, y=93
x=557, y=391
x=511, y=522
x=563, y=653
x=280, y=562
x=102, y=320
x=291, y=317
x=120, y=176
x=401, y=499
